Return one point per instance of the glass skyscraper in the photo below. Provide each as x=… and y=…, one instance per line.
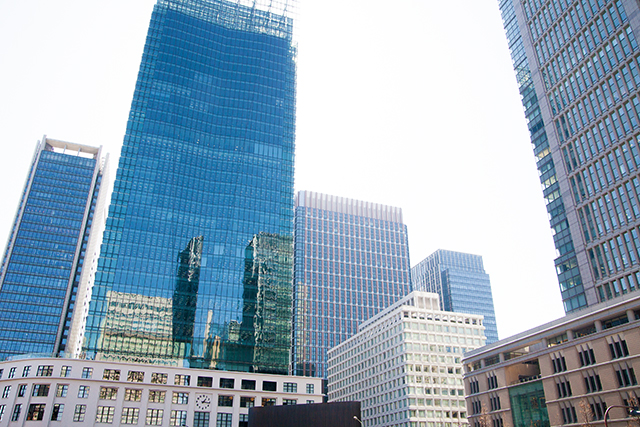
x=577, y=66
x=462, y=284
x=47, y=269
x=351, y=262
x=200, y=225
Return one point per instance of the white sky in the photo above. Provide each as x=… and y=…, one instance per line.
x=410, y=103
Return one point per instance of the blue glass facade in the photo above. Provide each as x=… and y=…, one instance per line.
x=462, y=284
x=41, y=276
x=206, y=166
x=577, y=65
x=351, y=262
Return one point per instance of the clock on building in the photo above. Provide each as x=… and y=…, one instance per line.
x=203, y=401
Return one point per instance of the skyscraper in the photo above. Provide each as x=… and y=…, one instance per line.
x=352, y=260
x=48, y=266
x=577, y=67
x=462, y=284
x=206, y=169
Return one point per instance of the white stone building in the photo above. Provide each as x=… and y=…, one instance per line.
x=404, y=365
x=75, y=392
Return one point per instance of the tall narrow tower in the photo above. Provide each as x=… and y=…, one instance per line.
x=48, y=266
x=462, y=284
x=352, y=261
x=577, y=67
x=207, y=165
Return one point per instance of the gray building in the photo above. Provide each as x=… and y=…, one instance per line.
x=462, y=284
x=47, y=269
x=577, y=68
x=351, y=262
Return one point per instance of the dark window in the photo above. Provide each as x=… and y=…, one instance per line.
x=269, y=385
x=626, y=377
x=248, y=384
x=247, y=402
x=227, y=383
x=225, y=400
x=36, y=412
x=205, y=381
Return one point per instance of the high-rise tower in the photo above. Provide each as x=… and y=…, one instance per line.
x=577, y=67
x=462, y=284
x=352, y=261
x=48, y=267
x=206, y=166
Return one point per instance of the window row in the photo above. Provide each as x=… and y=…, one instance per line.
x=610, y=212
x=615, y=255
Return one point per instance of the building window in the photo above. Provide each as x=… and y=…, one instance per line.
x=130, y=416
x=104, y=414
x=248, y=384
x=154, y=417
x=268, y=401
x=492, y=382
x=227, y=383
x=108, y=393
x=592, y=383
x=83, y=391
x=247, y=402
x=559, y=364
x=135, y=376
x=157, y=396
x=6, y=391
x=182, y=379
x=16, y=412
x=290, y=387
x=618, y=349
x=494, y=402
x=180, y=398
x=626, y=377
x=158, y=378
x=587, y=357
x=598, y=409
x=36, y=412
x=224, y=420
x=289, y=401
x=2, y=409
x=56, y=414
x=178, y=418
x=12, y=372
x=87, y=372
x=569, y=415
x=111, y=374
x=132, y=395
x=65, y=371
x=44, y=371
x=201, y=419
x=269, y=385
x=244, y=420
x=310, y=388
x=78, y=413
x=564, y=389
x=473, y=386
x=205, y=382
x=22, y=390
x=40, y=390
x=26, y=370
x=225, y=400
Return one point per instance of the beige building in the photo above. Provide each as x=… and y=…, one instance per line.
x=76, y=392
x=568, y=371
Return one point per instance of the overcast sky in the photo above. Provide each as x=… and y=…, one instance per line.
x=410, y=103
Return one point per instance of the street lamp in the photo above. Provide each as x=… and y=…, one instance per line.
x=356, y=418
x=633, y=410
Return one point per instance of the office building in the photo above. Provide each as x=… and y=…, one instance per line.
x=462, y=284
x=202, y=208
x=76, y=392
x=48, y=266
x=577, y=67
x=568, y=371
x=351, y=261
x=405, y=364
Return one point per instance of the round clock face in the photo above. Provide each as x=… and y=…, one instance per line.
x=203, y=401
